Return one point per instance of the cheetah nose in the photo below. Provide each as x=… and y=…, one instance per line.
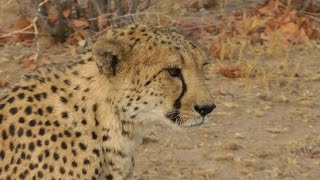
x=204, y=109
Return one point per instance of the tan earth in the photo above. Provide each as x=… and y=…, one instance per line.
x=266, y=125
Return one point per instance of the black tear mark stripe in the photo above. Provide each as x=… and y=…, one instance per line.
x=177, y=103
x=114, y=62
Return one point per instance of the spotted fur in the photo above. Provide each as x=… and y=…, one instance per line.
x=83, y=119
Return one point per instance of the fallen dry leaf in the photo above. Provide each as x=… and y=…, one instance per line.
x=22, y=23
x=76, y=37
x=35, y=61
x=230, y=72
x=219, y=50
x=290, y=28
x=66, y=12
x=314, y=152
x=80, y=23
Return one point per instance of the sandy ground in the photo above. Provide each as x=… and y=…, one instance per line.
x=265, y=126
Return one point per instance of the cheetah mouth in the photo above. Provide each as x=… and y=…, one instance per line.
x=195, y=123
x=175, y=117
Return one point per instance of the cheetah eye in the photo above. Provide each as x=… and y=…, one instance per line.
x=174, y=72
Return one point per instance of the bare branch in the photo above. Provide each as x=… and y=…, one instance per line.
x=36, y=38
x=92, y=14
x=5, y=4
x=147, y=4
x=305, y=5
x=119, y=7
x=21, y=30
x=98, y=6
x=133, y=6
x=121, y=19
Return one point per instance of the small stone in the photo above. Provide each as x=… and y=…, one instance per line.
x=277, y=130
x=315, y=77
x=263, y=153
x=239, y=136
x=258, y=113
x=281, y=99
x=224, y=157
x=82, y=43
x=230, y=105
x=232, y=146
x=307, y=103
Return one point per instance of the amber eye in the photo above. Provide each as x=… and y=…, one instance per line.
x=174, y=72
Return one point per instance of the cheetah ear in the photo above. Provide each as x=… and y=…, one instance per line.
x=109, y=55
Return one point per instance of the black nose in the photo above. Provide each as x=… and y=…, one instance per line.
x=204, y=109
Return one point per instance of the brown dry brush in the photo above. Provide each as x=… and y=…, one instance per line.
x=300, y=5
x=57, y=15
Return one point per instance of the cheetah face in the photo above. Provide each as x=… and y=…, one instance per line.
x=159, y=76
x=180, y=90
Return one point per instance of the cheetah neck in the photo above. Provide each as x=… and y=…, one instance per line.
x=94, y=95
x=85, y=98
x=118, y=138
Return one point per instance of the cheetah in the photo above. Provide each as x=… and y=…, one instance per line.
x=84, y=118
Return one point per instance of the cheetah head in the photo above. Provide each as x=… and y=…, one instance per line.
x=156, y=74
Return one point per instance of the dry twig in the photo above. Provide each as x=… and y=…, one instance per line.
x=21, y=30
x=5, y=4
x=33, y=24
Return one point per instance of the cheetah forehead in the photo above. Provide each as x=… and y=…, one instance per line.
x=150, y=35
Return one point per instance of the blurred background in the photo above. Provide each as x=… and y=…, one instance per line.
x=264, y=75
